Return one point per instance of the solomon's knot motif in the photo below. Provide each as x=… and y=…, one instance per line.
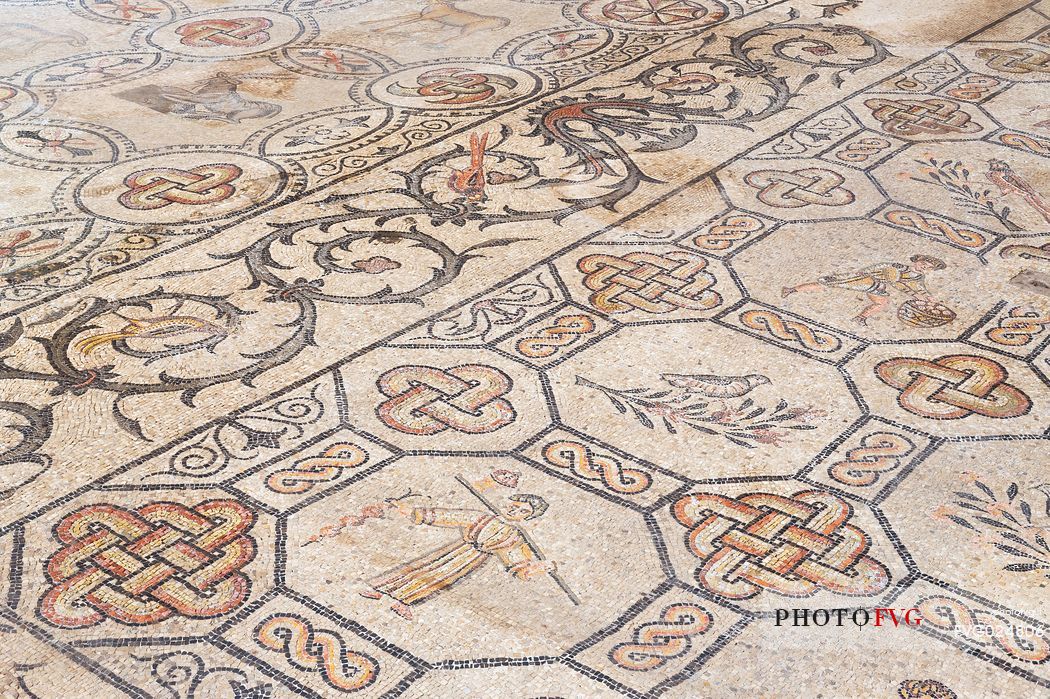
x=648, y=282
x=317, y=650
x=455, y=85
x=791, y=189
x=243, y=32
x=156, y=188
x=142, y=566
x=655, y=643
x=426, y=400
x=914, y=117
x=792, y=546
x=953, y=387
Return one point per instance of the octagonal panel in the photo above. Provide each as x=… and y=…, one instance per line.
x=757, y=410
x=770, y=545
x=419, y=546
x=449, y=399
x=982, y=510
x=951, y=389
x=128, y=564
x=799, y=189
x=986, y=185
x=872, y=279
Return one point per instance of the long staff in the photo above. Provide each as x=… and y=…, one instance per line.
x=525, y=535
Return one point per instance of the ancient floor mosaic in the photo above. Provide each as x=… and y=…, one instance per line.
x=524, y=348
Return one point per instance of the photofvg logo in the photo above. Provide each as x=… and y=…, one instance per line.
x=878, y=617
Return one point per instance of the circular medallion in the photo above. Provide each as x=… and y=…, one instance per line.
x=654, y=15
x=332, y=62
x=124, y=11
x=560, y=46
x=58, y=145
x=456, y=87
x=14, y=101
x=227, y=33
x=180, y=188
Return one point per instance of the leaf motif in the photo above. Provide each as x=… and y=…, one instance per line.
x=1012, y=551
x=986, y=489
x=1026, y=510
x=642, y=418
x=1010, y=536
x=1011, y=492
x=1021, y=567
x=966, y=496
x=993, y=522
x=962, y=522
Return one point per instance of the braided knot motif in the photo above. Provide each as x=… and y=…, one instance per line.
x=724, y=234
x=792, y=546
x=425, y=400
x=564, y=331
x=953, y=387
x=142, y=566
x=1019, y=326
x=243, y=32
x=594, y=466
x=878, y=453
x=915, y=117
x=155, y=188
x=985, y=629
x=862, y=149
x=648, y=282
x=1040, y=146
x=792, y=189
x=776, y=325
x=305, y=474
x=655, y=643
x=974, y=88
x=1019, y=60
x=934, y=226
x=309, y=649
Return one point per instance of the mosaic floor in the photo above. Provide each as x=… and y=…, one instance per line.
x=524, y=348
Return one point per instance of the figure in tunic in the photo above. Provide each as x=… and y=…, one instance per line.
x=482, y=537
x=876, y=281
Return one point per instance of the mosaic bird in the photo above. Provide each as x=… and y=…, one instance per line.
x=1009, y=182
x=471, y=181
x=714, y=386
x=153, y=328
